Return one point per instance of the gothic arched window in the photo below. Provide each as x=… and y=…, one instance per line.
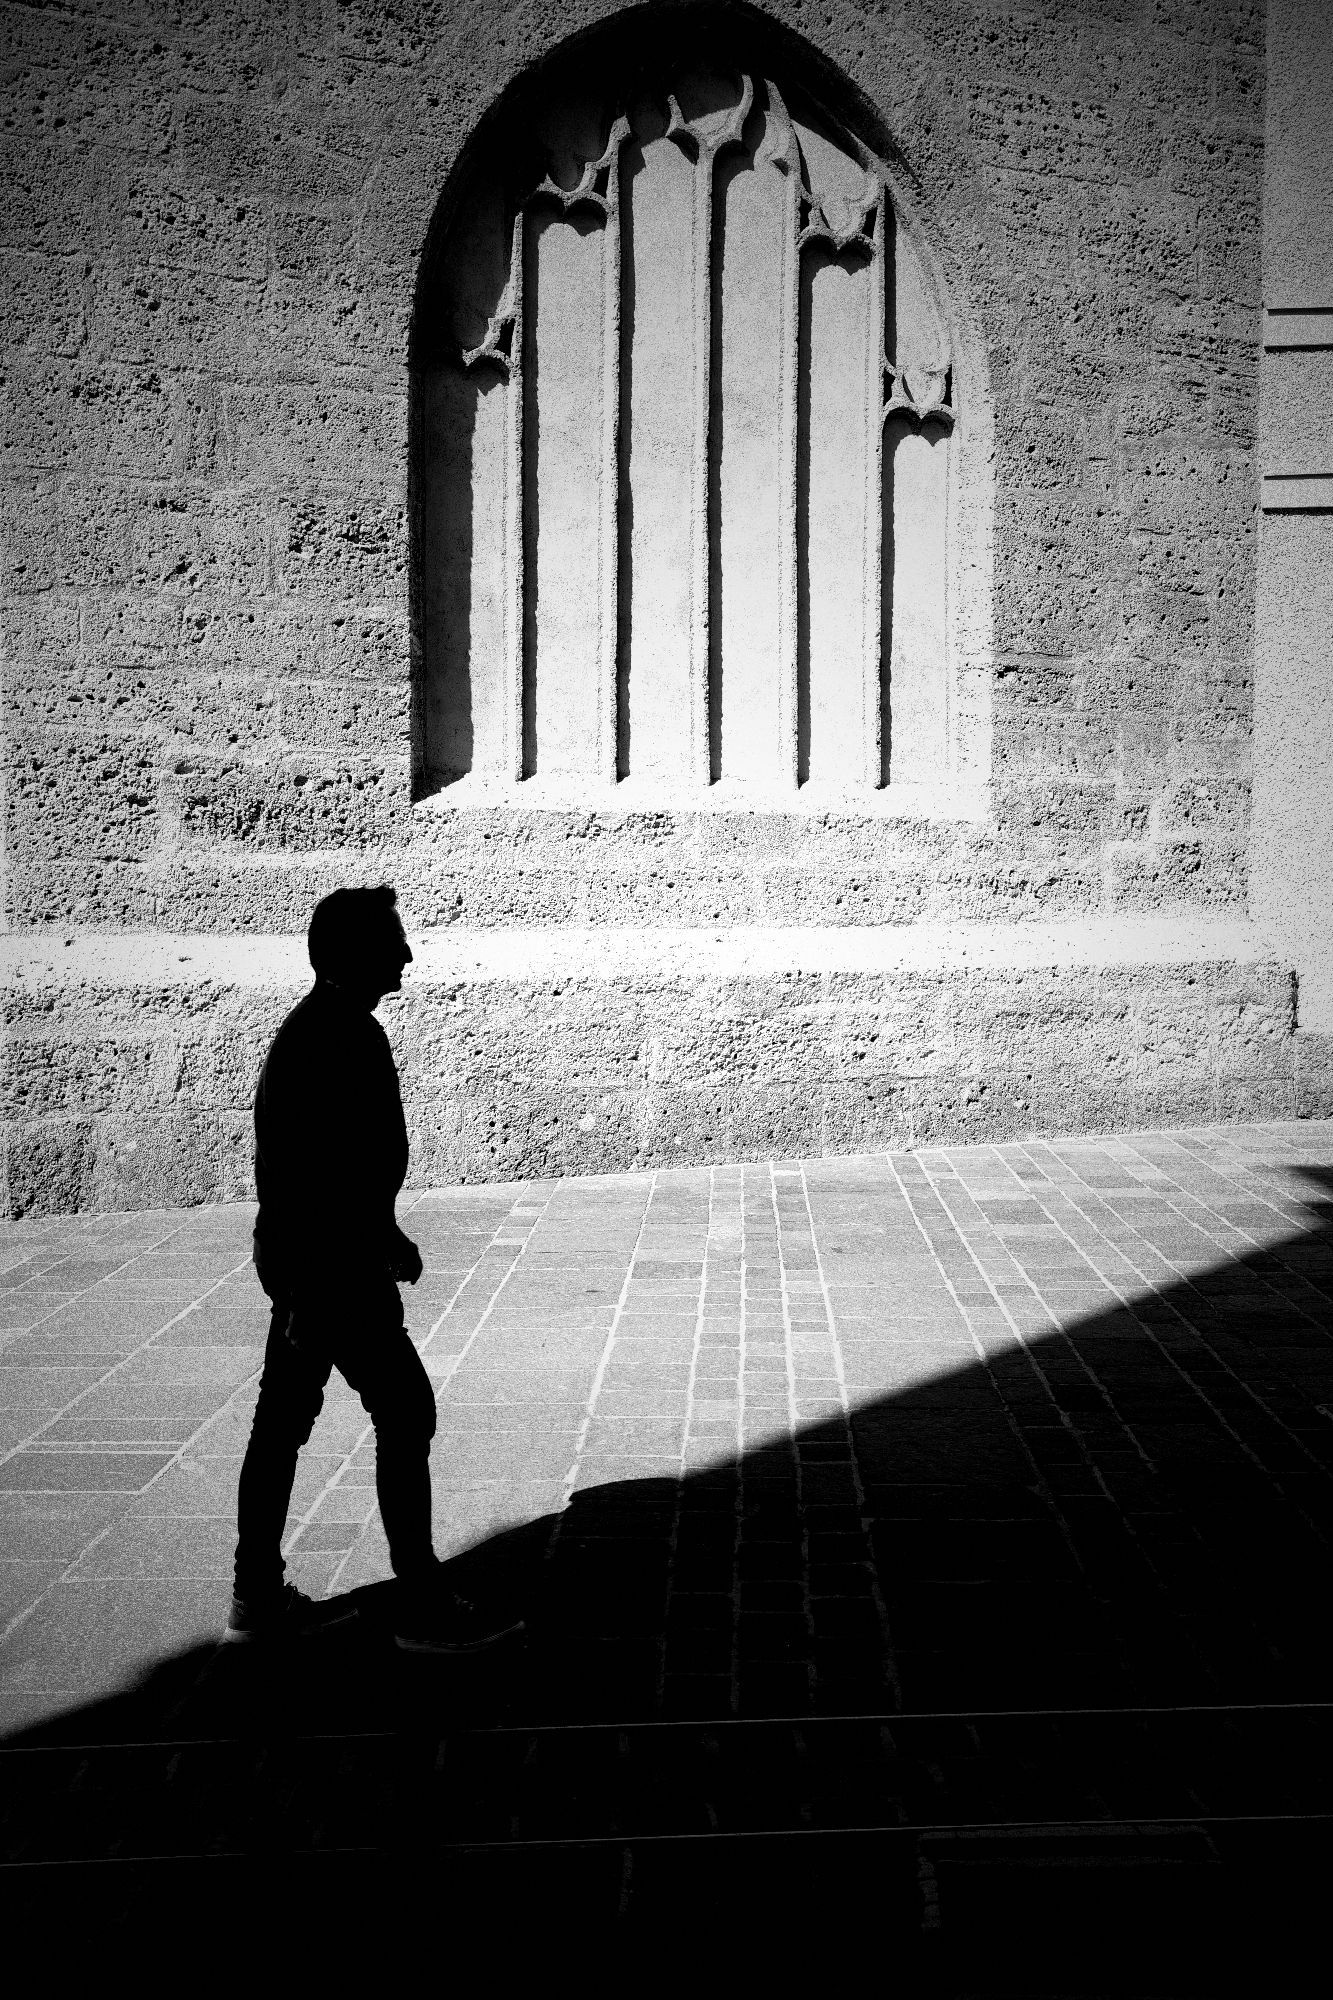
x=685, y=409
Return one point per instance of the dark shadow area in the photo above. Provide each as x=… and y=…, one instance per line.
x=725, y=170
x=1019, y=1681
x=630, y=169
x=446, y=412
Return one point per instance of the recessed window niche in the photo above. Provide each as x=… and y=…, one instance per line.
x=687, y=415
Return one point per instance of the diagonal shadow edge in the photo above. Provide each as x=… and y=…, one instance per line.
x=1069, y=1521
x=1070, y=1589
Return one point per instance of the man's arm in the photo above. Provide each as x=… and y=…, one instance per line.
x=405, y=1265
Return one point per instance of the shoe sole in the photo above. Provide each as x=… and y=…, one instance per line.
x=233, y=1636
x=407, y=1644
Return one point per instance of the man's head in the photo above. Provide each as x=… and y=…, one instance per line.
x=356, y=942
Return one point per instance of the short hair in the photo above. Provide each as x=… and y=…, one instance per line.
x=346, y=928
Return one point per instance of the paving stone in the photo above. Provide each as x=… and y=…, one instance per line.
x=22, y=1584
x=87, y=1638
x=938, y=1454
x=161, y=1549
x=75, y=1472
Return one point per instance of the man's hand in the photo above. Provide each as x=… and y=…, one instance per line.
x=405, y=1265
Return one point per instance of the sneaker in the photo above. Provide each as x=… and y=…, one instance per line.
x=289, y=1614
x=444, y=1623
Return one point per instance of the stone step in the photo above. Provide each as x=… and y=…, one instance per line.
x=933, y=1777
x=1072, y=1840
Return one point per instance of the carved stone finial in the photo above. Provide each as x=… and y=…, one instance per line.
x=496, y=341
x=779, y=147
x=845, y=221
x=936, y=405
x=586, y=189
x=711, y=142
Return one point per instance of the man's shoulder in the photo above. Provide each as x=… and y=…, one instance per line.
x=300, y=1024
x=321, y=1023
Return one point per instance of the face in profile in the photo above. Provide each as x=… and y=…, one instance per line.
x=393, y=956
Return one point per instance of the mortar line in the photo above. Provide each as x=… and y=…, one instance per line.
x=695, y=1350
x=81, y=1293
x=604, y=1359
x=697, y=1347
x=1183, y=1278
x=858, y=1484
x=1127, y=1304
x=67, y=1574
x=1171, y=1193
x=807, y=1603
x=631, y=1725
x=1055, y=1318
x=1162, y=1584
x=1043, y=1486
x=1269, y=1249
x=57, y=1416
x=738, y=1496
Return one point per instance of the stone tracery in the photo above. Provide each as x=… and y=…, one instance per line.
x=678, y=418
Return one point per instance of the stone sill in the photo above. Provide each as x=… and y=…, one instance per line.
x=950, y=799
x=456, y=956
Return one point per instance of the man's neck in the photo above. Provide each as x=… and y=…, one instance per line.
x=351, y=996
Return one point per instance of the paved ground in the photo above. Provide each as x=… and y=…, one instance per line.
x=1035, y=1436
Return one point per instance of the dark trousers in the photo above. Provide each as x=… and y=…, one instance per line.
x=360, y=1332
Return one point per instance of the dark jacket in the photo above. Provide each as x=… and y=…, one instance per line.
x=330, y=1148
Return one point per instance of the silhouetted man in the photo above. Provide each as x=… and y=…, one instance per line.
x=330, y=1157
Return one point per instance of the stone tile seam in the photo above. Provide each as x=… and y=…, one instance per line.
x=1254, y=1193
x=1084, y=1451
x=604, y=1359
x=1252, y=1455
x=693, y=1398
x=807, y=1610
x=56, y=1416
x=22, y=1617
x=858, y=1484
x=1183, y=1278
x=1227, y=1235
x=1021, y=1339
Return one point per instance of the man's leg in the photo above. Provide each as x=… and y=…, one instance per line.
x=380, y=1363
x=291, y=1395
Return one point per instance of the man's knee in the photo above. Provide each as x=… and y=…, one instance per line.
x=404, y=1408
x=286, y=1412
x=291, y=1392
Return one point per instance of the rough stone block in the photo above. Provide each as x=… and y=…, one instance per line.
x=366, y=720
x=107, y=421
x=50, y=1166
x=303, y=804
x=68, y=794
x=287, y=434
x=157, y=1161
x=357, y=550
x=1314, y=1074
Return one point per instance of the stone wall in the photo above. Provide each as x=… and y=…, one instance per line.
x=583, y=1051
x=1292, y=851
x=212, y=223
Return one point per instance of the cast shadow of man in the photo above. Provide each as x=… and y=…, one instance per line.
x=1035, y=1651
